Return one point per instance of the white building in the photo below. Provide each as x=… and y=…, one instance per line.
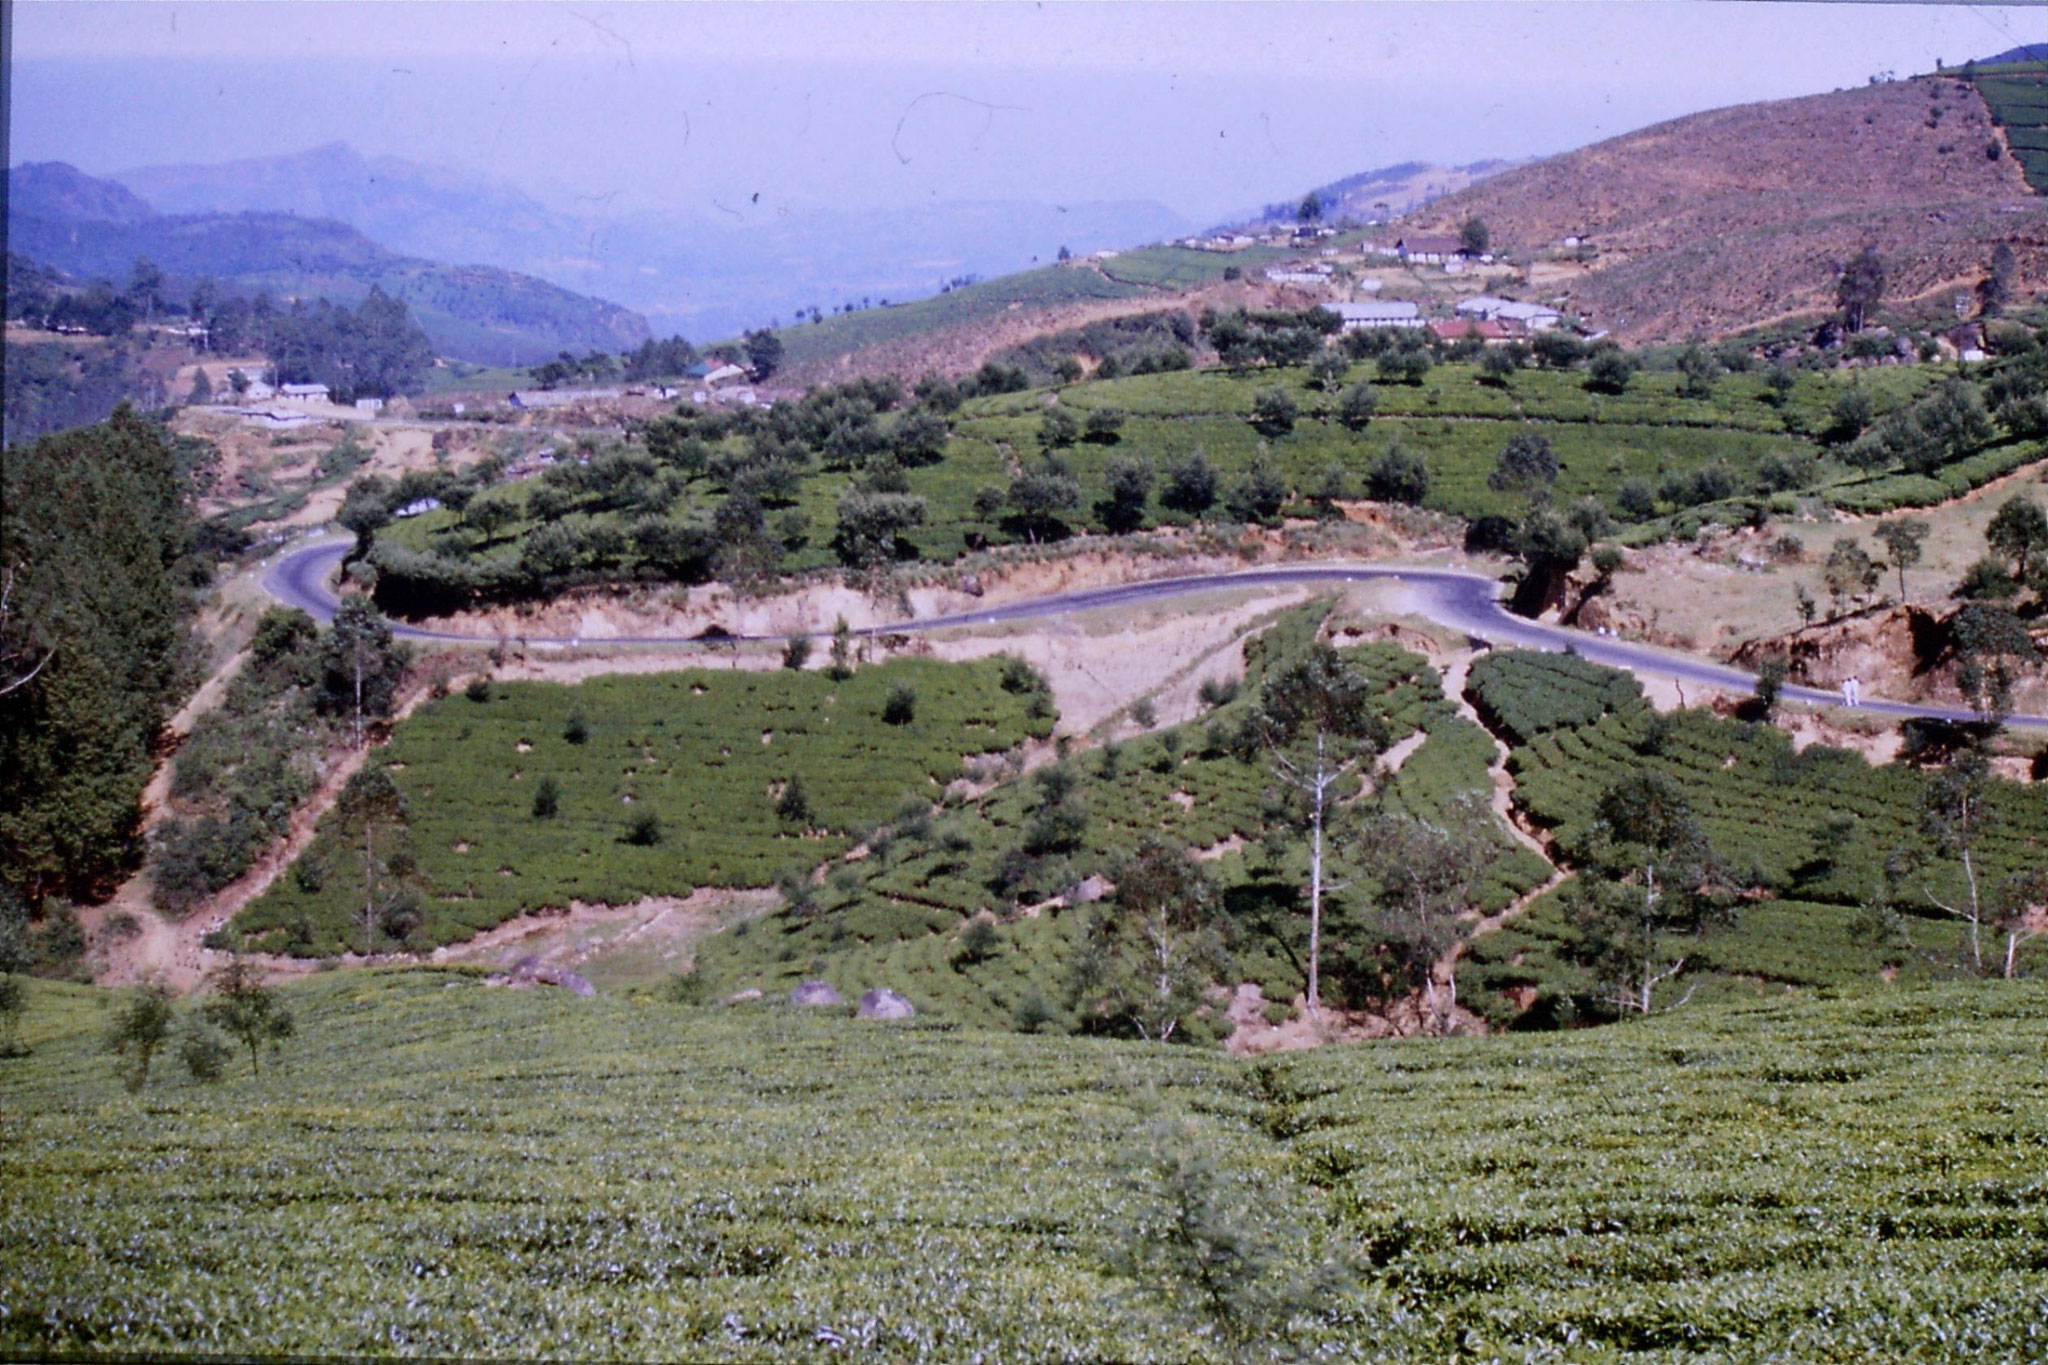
x=373, y=406
x=1531, y=317
x=302, y=393
x=1358, y=317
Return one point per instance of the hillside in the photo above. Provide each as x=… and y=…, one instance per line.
x=434, y=1167
x=1389, y=190
x=1724, y=220
x=480, y=313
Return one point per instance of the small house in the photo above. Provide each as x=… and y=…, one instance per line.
x=306, y=394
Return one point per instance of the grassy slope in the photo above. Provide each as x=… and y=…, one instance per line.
x=439, y=1168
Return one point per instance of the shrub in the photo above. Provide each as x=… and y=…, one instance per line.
x=547, y=799
x=796, y=652
x=575, y=729
x=643, y=830
x=899, y=707
x=478, y=689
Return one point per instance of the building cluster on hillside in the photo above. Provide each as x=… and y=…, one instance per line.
x=1491, y=320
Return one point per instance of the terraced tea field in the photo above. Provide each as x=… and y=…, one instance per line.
x=439, y=1168
x=705, y=754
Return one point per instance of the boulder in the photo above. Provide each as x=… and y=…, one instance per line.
x=741, y=997
x=815, y=993
x=884, y=1004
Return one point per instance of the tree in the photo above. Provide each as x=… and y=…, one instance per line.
x=1145, y=962
x=1995, y=289
x=1770, y=684
x=764, y=352
x=14, y=959
x=1849, y=572
x=2019, y=909
x=899, y=707
x=1649, y=866
x=1356, y=407
x=146, y=287
x=1526, y=465
x=841, y=667
x=1992, y=647
x=1315, y=723
x=2018, y=531
x=1860, y=288
x=1498, y=364
x=140, y=1030
x=1428, y=870
x=872, y=526
x=1904, y=538
x=1397, y=476
x=201, y=392
x=1103, y=426
x=1474, y=237
x=1311, y=209
x=1698, y=369
x=1058, y=428
x=370, y=799
x=1327, y=370
x=1609, y=371
x=1037, y=498
x=242, y=1007
x=1190, y=485
x=1550, y=547
x=1127, y=486
x=1953, y=817
x=1851, y=415
x=796, y=652
x=1274, y=411
x=547, y=798
x=793, y=806
x=1403, y=365
x=366, y=509
x=1557, y=349
x=1256, y=495
x=490, y=514
x=360, y=663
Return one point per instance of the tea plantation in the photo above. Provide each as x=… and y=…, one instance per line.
x=1834, y=842
x=434, y=1167
x=705, y=756
x=1661, y=458
x=899, y=916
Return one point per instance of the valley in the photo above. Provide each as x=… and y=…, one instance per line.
x=1457, y=770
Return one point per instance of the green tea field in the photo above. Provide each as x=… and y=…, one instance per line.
x=433, y=1167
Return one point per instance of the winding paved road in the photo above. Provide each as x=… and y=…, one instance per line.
x=1461, y=601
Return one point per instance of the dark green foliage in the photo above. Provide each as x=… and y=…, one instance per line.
x=1609, y=371
x=203, y=1051
x=796, y=652
x=643, y=829
x=478, y=689
x=241, y=1006
x=899, y=707
x=1127, y=485
x=1190, y=485
x=1527, y=464
x=1860, y=287
x=1398, y=476
x=1524, y=694
x=547, y=800
x=1257, y=496
x=360, y=664
x=139, y=1030
x=576, y=730
x=1274, y=412
x=93, y=536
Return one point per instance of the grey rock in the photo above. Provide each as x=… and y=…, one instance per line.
x=815, y=993
x=884, y=1004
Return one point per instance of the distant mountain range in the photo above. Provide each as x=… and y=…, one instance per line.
x=707, y=278
x=90, y=227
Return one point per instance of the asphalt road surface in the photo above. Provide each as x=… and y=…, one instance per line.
x=1463, y=602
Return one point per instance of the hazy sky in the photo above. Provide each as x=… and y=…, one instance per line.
x=1209, y=109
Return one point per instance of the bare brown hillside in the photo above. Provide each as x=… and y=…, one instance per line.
x=1718, y=221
